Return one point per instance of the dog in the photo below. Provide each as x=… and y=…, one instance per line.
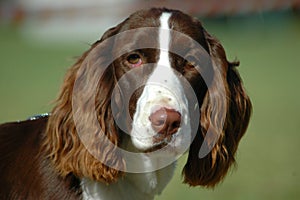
x=153, y=87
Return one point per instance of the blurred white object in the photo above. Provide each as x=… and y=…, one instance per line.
x=86, y=20
x=71, y=20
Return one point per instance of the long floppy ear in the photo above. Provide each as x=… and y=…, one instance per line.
x=63, y=142
x=226, y=126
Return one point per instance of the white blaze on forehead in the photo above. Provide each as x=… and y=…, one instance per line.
x=164, y=39
x=162, y=89
x=163, y=73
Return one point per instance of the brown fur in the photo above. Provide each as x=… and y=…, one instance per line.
x=63, y=144
x=211, y=169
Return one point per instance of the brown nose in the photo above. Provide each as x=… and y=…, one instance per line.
x=165, y=121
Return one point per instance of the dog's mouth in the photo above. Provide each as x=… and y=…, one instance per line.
x=156, y=147
x=160, y=142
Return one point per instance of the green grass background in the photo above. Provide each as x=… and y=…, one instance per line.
x=268, y=46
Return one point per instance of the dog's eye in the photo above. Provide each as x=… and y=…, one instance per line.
x=190, y=63
x=134, y=60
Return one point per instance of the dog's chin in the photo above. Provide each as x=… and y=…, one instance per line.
x=147, y=145
x=162, y=142
x=167, y=146
x=156, y=147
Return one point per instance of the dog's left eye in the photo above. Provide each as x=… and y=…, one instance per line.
x=134, y=60
x=190, y=63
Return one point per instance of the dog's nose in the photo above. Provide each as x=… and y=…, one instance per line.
x=165, y=121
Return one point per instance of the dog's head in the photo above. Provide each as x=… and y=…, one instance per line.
x=158, y=81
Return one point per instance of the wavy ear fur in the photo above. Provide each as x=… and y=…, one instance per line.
x=62, y=143
x=211, y=169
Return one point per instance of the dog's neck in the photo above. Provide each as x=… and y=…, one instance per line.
x=132, y=186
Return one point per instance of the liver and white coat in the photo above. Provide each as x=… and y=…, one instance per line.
x=51, y=157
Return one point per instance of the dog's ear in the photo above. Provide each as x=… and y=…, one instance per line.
x=81, y=136
x=225, y=112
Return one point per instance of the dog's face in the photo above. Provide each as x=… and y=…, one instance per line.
x=159, y=79
x=161, y=108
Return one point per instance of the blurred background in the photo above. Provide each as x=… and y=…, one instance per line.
x=40, y=39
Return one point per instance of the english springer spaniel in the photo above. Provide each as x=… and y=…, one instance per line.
x=152, y=88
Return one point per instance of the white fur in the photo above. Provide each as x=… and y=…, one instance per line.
x=131, y=187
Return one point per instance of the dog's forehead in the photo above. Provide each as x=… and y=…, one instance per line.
x=189, y=26
x=178, y=21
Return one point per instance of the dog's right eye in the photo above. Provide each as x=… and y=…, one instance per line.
x=134, y=60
